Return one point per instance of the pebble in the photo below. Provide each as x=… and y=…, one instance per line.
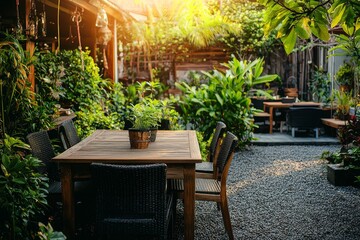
x=280, y=192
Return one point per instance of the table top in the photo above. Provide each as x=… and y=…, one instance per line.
x=113, y=146
x=286, y=105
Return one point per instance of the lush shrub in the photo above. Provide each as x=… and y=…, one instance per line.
x=225, y=98
x=71, y=78
x=20, y=112
x=23, y=190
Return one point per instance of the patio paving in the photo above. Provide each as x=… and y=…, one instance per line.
x=277, y=138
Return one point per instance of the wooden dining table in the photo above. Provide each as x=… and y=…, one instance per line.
x=271, y=105
x=178, y=149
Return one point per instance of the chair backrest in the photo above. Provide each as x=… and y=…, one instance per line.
x=226, y=153
x=306, y=117
x=216, y=140
x=68, y=134
x=130, y=199
x=42, y=149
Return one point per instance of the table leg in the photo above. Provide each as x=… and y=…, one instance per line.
x=67, y=188
x=189, y=201
x=271, y=120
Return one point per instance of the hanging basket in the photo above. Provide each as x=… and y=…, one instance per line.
x=139, y=139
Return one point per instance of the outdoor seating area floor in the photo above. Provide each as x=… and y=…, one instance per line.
x=278, y=138
x=281, y=192
x=274, y=192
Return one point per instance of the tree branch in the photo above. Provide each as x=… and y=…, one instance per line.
x=308, y=11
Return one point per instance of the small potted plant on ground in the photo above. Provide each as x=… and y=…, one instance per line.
x=344, y=165
x=144, y=116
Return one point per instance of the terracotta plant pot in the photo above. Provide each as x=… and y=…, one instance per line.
x=139, y=139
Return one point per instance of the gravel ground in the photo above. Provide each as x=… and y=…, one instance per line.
x=280, y=192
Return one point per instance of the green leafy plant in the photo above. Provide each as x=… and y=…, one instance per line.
x=19, y=110
x=169, y=113
x=319, y=86
x=46, y=232
x=97, y=102
x=225, y=98
x=203, y=145
x=345, y=75
x=343, y=102
x=350, y=133
x=23, y=190
x=247, y=23
x=302, y=19
x=145, y=115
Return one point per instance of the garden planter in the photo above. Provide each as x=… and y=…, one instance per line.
x=338, y=175
x=139, y=139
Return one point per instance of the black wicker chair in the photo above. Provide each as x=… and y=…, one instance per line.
x=206, y=169
x=68, y=134
x=42, y=149
x=304, y=118
x=214, y=189
x=132, y=201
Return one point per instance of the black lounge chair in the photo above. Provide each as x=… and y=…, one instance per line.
x=304, y=118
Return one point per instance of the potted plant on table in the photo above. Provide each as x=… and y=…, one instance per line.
x=144, y=116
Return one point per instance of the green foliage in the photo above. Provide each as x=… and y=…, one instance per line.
x=345, y=75
x=332, y=157
x=20, y=112
x=225, y=98
x=302, y=19
x=23, y=190
x=48, y=73
x=203, y=145
x=246, y=19
x=146, y=114
x=168, y=112
x=319, y=86
x=98, y=103
x=343, y=102
x=81, y=88
x=93, y=117
x=47, y=233
x=350, y=133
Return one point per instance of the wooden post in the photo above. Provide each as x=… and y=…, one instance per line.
x=30, y=46
x=110, y=51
